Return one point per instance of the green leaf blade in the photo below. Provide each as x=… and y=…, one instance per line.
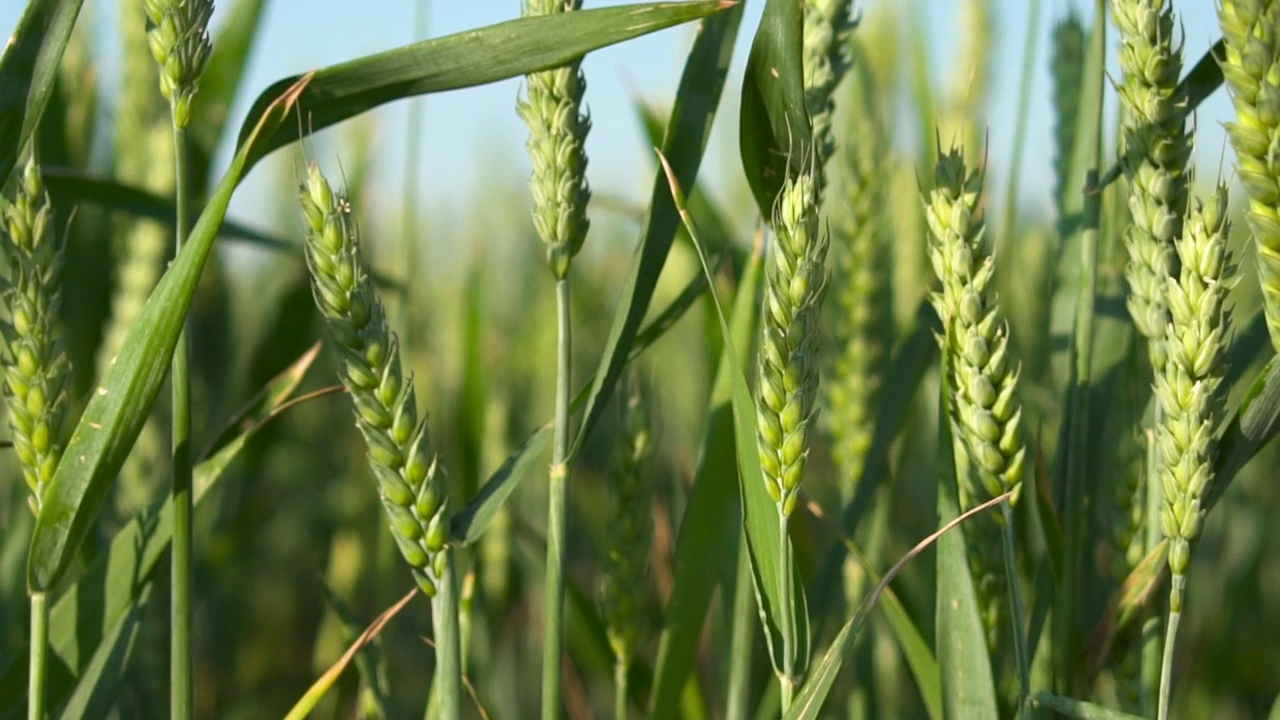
x=477, y=57
x=121, y=404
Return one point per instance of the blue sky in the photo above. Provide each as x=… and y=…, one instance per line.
x=471, y=133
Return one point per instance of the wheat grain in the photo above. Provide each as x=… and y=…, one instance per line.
x=179, y=40
x=36, y=367
x=985, y=408
x=558, y=129
x=1156, y=149
x=826, y=56
x=1189, y=388
x=788, y=378
x=410, y=479
x=1251, y=69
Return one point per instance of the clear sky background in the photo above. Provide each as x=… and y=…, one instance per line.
x=472, y=134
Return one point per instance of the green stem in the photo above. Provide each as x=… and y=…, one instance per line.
x=182, y=691
x=1015, y=601
x=1171, y=634
x=553, y=641
x=444, y=609
x=39, y=648
x=1149, y=687
x=787, y=626
x=620, y=666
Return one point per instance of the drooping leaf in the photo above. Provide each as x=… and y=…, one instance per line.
x=774, y=135
x=29, y=70
x=808, y=703
x=476, y=57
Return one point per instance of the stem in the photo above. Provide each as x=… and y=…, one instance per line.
x=1015, y=599
x=1149, y=687
x=444, y=611
x=1171, y=634
x=182, y=694
x=787, y=626
x=553, y=640
x=39, y=648
x=620, y=688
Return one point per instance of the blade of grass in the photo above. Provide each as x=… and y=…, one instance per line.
x=29, y=70
x=711, y=515
x=759, y=512
x=1075, y=440
x=476, y=57
x=120, y=406
x=688, y=129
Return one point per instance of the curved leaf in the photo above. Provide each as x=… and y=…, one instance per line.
x=774, y=135
x=120, y=406
x=476, y=57
x=28, y=71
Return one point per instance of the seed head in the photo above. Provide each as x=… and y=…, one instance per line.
x=178, y=34
x=410, y=479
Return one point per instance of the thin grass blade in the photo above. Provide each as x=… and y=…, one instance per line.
x=321, y=686
x=814, y=693
x=95, y=692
